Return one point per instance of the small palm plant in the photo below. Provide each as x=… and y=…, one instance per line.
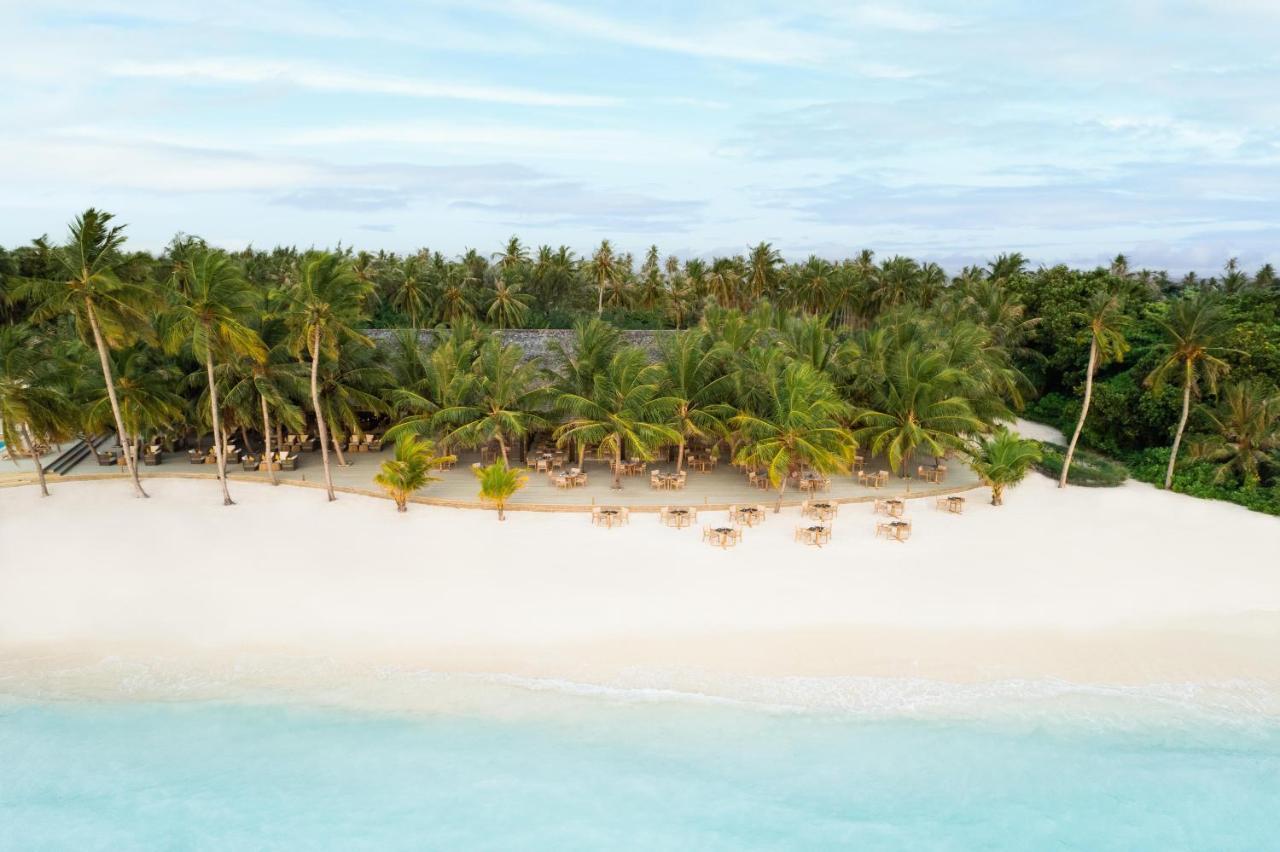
x=498, y=484
x=1003, y=460
x=410, y=470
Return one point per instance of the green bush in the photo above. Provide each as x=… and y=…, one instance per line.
x=1196, y=479
x=1088, y=469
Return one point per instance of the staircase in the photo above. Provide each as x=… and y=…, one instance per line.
x=73, y=455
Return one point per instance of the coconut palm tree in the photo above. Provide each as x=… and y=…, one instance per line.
x=34, y=406
x=1194, y=331
x=144, y=393
x=327, y=306
x=622, y=410
x=762, y=270
x=918, y=405
x=1105, y=325
x=1002, y=460
x=210, y=306
x=509, y=305
x=1248, y=420
x=352, y=385
x=798, y=423
x=107, y=310
x=501, y=401
x=605, y=272
x=695, y=385
x=498, y=484
x=411, y=289
x=259, y=387
x=410, y=470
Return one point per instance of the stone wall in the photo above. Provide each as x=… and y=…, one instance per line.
x=536, y=342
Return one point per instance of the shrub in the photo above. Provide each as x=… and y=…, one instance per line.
x=1196, y=479
x=1088, y=469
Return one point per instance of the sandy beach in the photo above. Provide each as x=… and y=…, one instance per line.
x=1128, y=585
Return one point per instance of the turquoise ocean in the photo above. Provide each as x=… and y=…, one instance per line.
x=546, y=768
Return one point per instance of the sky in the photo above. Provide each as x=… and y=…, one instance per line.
x=1069, y=131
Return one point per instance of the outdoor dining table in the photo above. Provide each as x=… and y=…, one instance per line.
x=749, y=515
x=816, y=535
x=725, y=537
x=679, y=518
x=897, y=529
x=823, y=511
x=953, y=503
x=609, y=516
x=893, y=507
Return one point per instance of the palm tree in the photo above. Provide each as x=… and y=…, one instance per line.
x=144, y=389
x=410, y=470
x=797, y=423
x=327, y=305
x=623, y=409
x=510, y=305
x=695, y=385
x=1002, y=461
x=33, y=403
x=762, y=270
x=105, y=308
x=1194, y=331
x=272, y=383
x=209, y=309
x=411, y=289
x=1248, y=419
x=604, y=272
x=1105, y=322
x=352, y=385
x=918, y=404
x=498, y=484
x=501, y=401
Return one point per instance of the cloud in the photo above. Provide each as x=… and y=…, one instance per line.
x=762, y=41
x=250, y=71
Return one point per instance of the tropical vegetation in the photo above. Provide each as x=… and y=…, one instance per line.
x=757, y=359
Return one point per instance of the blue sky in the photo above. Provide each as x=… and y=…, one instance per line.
x=949, y=131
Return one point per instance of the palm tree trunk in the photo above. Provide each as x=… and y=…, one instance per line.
x=337, y=448
x=35, y=457
x=502, y=514
x=1084, y=412
x=321, y=430
x=600, y=299
x=244, y=436
x=219, y=440
x=1182, y=424
x=130, y=462
x=266, y=441
x=782, y=487
x=680, y=456
x=997, y=495
x=502, y=445
x=617, y=465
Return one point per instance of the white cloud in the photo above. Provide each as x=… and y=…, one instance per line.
x=249, y=71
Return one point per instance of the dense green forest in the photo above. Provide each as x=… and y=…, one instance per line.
x=805, y=360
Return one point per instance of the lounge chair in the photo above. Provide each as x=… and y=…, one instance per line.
x=248, y=461
x=288, y=462
x=195, y=456
x=152, y=456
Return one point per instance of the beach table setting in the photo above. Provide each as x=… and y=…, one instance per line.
x=822, y=510
x=748, y=516
x=678, y=517
x=952, y=503
x=814, y=534
x=896, y=530
x=893, y=507
x=722, y=537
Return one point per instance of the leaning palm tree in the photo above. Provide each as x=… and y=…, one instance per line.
x=106, y=309
x=498, y=484
x=1002, y=460
x=502, y=402
x=327, y=307
x=34, y=406
x=410, y=470
x=1105, y=323
x=1194, y=332
x=509, y=305
x=1248, y=420
x=623, y=410
x=209, y=310
x=798, y=423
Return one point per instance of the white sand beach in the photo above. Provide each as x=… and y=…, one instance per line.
x=1127, y=585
